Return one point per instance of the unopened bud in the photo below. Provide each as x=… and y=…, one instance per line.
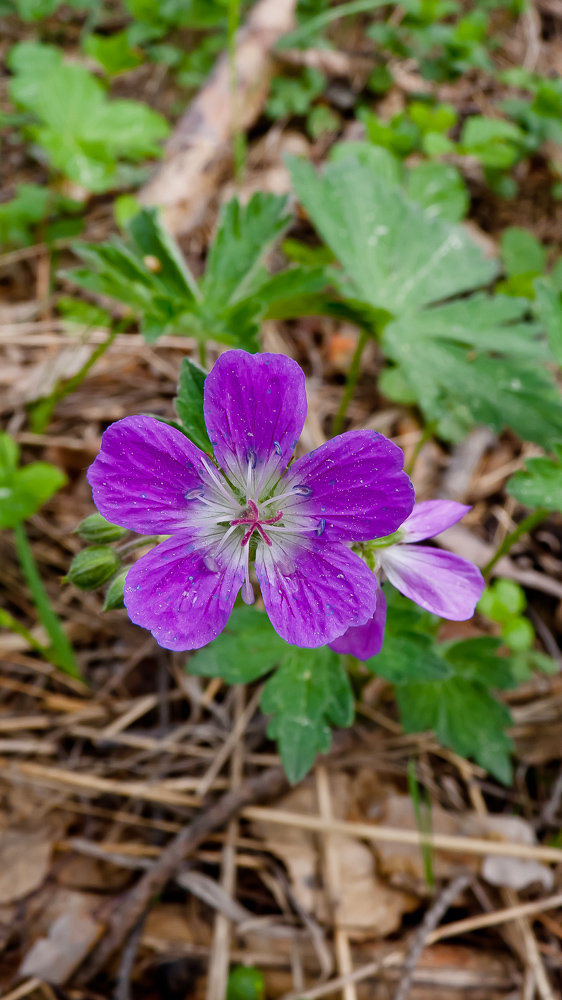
x=97, y=530
x=114, y=593
x=93, y=567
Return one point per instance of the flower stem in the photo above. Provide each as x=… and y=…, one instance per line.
x=351, y=382
x=237, y=133
x=40, y=414
x=424, y=438
x=526, y=525
x=139, y=543
x=62, y=652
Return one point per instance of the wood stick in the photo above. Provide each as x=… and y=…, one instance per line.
x=199, y=155
x=270, y=783
x=391, y=835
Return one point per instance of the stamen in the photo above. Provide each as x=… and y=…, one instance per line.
x=300, y=491
x=195, y=494
x=321, y=525
x=217, y=481
x=277, y=447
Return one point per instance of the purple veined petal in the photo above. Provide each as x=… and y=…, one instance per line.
x=142, y=474
x=172, y=592
x=315, y=592
x=364, y=641
x=438, y=581
x=430, y=517
x=357, y=486
x=255, y=406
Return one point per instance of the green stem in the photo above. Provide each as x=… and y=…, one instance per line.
x=203, y=354
x=139, y=543
x=62, y=651
x=424, y=438
x=315, y=24
x=525, y=526
x=42, y=411
x=237, y=134
x=8, y=621
x=351, y=382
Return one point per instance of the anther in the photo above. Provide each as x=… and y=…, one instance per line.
x=303, y=491
x=251, y=458
x=277, y=447
x=321, y=525
x=195, y=494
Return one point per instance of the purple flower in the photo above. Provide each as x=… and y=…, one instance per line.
x=296, y=522
x=438, y=581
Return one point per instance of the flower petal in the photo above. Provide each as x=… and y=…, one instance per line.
x=358, y=488
x=430, y=517
x=172, y=592
x=315, y=594
x=364, y=641
x=141, y=476
x=438, y=581
x=255, y=405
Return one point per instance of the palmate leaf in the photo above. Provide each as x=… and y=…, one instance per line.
x=463, y=716
x=309, y=691
x=466, y=361
x=540, y=484
x=83, y=132
x=247, y=649
x=245, y=234
x=23, y=490
x=394, y=256
x=147, y=272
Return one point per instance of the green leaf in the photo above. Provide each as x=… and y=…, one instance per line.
x=502, y=600
x=464, y=716
x=245, y=983
x=294, y=96
x=379, y=160
x=476, y=660
x=23, y=491
x=408, y=658
x=189, y=403
x=521, y=252
x=440, y=189
x=20, y=214
x=539, y=484
x=84, y=134
x=36, y=10
x=549, y=309
x=113, y=52
x=395, y=256
x=248, y=648
x=244, y=236
x=495, y=142
x=309, y=691
x=445, y=355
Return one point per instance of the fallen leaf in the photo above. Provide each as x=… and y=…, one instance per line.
x=71, y=932
x=25, y=854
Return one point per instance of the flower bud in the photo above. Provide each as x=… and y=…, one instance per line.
x=114, y=593
x=93, y=567
x=97, y=530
